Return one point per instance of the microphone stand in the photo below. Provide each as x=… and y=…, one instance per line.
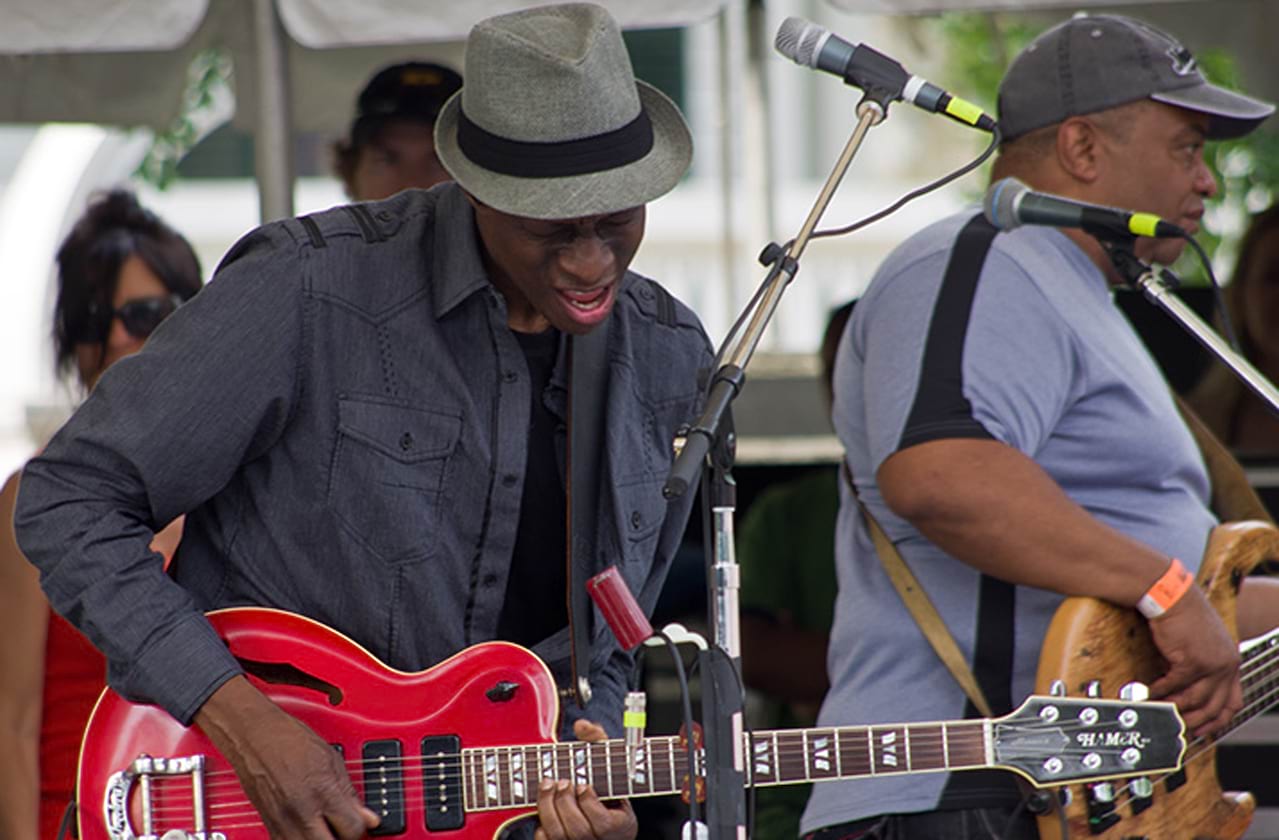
x=708, y=447
x=1157, y=288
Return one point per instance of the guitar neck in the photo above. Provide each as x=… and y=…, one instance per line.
x=1260, y=678
x=504, y=777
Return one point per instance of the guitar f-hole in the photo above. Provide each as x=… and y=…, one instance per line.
x=282, y=673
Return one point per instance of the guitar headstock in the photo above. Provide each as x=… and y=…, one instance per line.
x=1054, y=740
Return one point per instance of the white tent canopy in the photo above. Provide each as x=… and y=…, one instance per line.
x=297, y=63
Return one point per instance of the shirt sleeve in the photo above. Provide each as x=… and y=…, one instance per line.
x=163, y=431
x=995, y=362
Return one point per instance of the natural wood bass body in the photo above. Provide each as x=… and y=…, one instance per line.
x=1092, y=641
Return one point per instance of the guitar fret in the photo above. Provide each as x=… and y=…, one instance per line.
x=988, y=743
x=492, y=790
x=839, y=763
x=546, y=762
x=519, y=784
x=639, y=770
x=564, y=762
x=670, y=758
x=886, y=746
x=819, y=763
x=906, y=742
x=763, y=759
x=608, y=766
x=927, y=747
x=945, y=747
x=472, y=772
x=856, y=760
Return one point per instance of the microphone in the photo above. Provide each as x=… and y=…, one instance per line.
x=1010, y=203
x=806, y=43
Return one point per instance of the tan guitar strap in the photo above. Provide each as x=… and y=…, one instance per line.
x=925, y=614
x=921, y=607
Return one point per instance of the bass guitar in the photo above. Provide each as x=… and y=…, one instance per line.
x=1093, y=646
x=458, y=750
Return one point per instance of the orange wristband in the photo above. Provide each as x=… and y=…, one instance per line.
x=1166, y=591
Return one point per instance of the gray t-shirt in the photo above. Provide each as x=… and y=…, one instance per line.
x=1036, y=356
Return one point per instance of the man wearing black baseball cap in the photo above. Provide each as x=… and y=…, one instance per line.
x=391, y=146
x=1008, y=430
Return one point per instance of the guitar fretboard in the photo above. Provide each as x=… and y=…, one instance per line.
x=505, y=777
x=1259, y=674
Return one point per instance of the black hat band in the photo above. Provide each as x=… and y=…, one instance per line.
x=582, y=156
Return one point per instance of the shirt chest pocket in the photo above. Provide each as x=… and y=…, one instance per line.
x=388, y=471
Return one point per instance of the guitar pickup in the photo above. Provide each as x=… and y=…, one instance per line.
x=442, y=782
x=384, y=785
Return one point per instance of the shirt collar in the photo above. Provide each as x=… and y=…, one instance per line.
x=457, y=267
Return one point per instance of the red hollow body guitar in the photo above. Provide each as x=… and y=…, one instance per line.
x=459, y=750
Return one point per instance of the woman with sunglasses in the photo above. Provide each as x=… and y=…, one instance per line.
x=121, y=271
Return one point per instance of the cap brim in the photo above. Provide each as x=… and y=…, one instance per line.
x=573, y=196
x=1230, y=114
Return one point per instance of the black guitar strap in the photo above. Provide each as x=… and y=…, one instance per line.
x=587, y=394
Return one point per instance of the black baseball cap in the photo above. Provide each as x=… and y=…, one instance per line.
x=1093, y=62
x=413, y=90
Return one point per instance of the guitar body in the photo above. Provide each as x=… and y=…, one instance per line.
x=342, y=692
x=1090, y=640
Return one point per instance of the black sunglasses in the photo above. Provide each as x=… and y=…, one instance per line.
x=139, y=316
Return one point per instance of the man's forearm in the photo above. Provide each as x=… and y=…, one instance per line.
x=990, y=506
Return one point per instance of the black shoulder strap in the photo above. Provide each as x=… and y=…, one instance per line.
x=587, y=394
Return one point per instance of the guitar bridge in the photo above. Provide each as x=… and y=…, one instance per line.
x=142, y=772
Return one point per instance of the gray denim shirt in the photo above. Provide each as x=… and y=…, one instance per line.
x=342, y=414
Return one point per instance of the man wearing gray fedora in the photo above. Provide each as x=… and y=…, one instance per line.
x=363, y=419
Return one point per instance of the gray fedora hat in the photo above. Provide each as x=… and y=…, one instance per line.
x=551, y=122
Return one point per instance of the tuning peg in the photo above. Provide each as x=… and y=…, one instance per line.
x=1135, y=692
x=1057, y=688
x=1092, y=688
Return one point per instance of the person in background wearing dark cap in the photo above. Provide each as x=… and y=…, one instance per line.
x=1008, y=430
x=392, y=142
x=364, y=423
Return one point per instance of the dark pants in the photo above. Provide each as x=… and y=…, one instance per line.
x=972, y=824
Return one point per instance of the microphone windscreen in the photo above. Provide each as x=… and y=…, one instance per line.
x=1000, y=204
x=799, y=40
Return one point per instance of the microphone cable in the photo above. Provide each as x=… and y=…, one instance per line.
x=772, y=253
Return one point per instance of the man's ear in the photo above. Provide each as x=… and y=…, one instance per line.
x=1079, y=149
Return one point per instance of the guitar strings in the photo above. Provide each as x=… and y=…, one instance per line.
x=463, y=783
x=1265, y=695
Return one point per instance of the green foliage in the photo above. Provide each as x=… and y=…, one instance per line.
x=207, y=77
x=980, y=47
